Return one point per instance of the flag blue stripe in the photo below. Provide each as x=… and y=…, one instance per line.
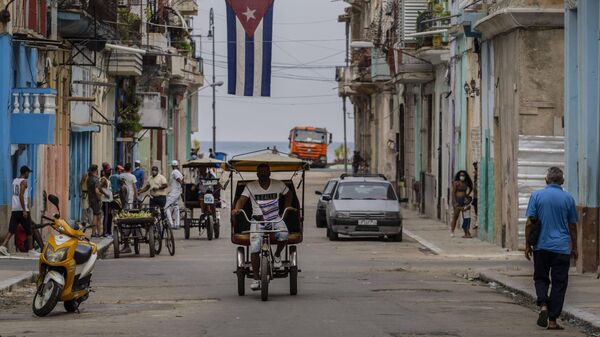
x=231, y=49
x=267, y=51
x=249, y=78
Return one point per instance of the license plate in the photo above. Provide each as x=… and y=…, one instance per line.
x=209, y=199
x=367, y=222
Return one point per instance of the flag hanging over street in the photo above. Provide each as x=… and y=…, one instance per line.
x=249, y=47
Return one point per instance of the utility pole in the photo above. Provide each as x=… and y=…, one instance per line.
x=214, y=87
x=346, y=20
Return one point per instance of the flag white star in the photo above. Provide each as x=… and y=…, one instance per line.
x=249, y=14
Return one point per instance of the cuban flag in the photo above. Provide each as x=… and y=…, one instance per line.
x=249, y=47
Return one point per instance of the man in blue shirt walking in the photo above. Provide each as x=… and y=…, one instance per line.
x=554, y=210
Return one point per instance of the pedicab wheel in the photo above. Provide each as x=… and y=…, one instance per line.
x=116, y=241
x=151, y=241
x=241, y=271
x=217, y=229
x=264, y=282
x=46, y=297
x=209, y=227
x=186, y=228
x=293, y=272
x=169, y=240
x=157, y=239
x=71, y=306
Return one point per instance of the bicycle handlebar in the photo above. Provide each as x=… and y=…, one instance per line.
x=271, y=221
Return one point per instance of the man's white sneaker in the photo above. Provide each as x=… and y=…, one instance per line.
x=33, y=253
x=255, y=285
x=4, y=251
x=277, y=262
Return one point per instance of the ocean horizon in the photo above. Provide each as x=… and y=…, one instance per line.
x=233, y=148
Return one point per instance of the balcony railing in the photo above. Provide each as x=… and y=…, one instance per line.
x=187, y=7
x=125, y=64
x=34, y=100
x=33, y=118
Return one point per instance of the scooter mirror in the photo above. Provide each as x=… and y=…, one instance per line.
x=54, y=201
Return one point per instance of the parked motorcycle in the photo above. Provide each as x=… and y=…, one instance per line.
x=65, y=266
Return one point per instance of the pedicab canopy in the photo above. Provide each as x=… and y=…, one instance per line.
x=277, y=161
x=206, y=162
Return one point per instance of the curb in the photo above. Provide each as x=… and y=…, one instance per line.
x=8, y=285
x=429, y=245
x=569, y=312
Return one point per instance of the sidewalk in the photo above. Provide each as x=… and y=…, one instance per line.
x=583, y=295
x=19, y=268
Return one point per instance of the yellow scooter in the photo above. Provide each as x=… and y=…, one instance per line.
x=66, y=266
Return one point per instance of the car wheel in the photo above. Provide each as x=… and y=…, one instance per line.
x=333, y=236
x=397, y=237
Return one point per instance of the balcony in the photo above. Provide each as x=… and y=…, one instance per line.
x=187, y=7
x=186, y=72
x=380, y=69
x=153, y=114
x=33, y=117
x=157, y=42
x=125, y=64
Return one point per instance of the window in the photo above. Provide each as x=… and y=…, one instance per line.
x=329, y=187
x=306, y=136
x=365, y=191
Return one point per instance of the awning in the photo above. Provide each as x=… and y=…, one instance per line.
x=276, y=161
x=206, y=162
x=85, y=127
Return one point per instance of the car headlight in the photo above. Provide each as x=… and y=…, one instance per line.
x=392, y=215
x=342, y=214
x=55, y=256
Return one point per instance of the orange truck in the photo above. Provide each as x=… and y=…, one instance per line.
x=310, y=144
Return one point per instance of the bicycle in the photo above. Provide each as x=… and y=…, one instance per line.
x=162, y=230
x=266, y=252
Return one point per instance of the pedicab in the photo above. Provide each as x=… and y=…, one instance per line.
x=280, y=164
x=202, y=193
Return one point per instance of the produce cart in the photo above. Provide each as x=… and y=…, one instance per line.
x=134, y=227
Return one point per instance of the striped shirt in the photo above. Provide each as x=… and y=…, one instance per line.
x=265, y=202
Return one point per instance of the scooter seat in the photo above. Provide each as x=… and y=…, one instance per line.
x=82, y=253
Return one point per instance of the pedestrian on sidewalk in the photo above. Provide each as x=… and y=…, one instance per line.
x=86, y=211
x=552, y=217
x=107, y=199
x=115, y=179
x=130, y=183
x=462, y=187
x=466, y=215
x=172, y=205
x=94, y=197
x=20, y=212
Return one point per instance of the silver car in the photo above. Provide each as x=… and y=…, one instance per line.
x=325, y=198
x=364, y=206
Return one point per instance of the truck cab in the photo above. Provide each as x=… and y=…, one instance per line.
x=310, y=144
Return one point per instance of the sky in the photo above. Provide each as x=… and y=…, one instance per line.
x=306, y=34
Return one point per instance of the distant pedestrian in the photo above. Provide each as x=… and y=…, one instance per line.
x=551, y=226
x=94, y=198
x=172, y=205
x=157, y=185
x=107, y=199
x=130, y=183
x=20, y=212
x=462, y=187
x=211, y=154
x=139, y=174
x=356, y=160
x=86, y=212
x=115, y=179
x=466, y=215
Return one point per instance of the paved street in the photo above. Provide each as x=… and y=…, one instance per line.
x=347, y=288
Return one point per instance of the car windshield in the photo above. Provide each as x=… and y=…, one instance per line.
x=365, y=191
x=310, y=136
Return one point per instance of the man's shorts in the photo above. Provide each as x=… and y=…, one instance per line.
x=16, y=218
x=255, y=238
x=96, y=206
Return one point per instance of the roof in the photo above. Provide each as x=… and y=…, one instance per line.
x=277, y=161
x=206, y=162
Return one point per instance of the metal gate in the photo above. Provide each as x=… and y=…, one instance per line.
x=81, y=150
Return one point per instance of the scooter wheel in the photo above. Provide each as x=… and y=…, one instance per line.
x=71, y=306
x=46, y=297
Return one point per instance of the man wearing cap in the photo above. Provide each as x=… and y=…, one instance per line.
x=157, y=184
x=20, y=212
x=176, y=182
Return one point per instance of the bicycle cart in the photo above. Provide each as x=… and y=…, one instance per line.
x=293, y=218
x=134, y=227
x=202, y=193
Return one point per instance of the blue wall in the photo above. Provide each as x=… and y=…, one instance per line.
x=5, y=86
